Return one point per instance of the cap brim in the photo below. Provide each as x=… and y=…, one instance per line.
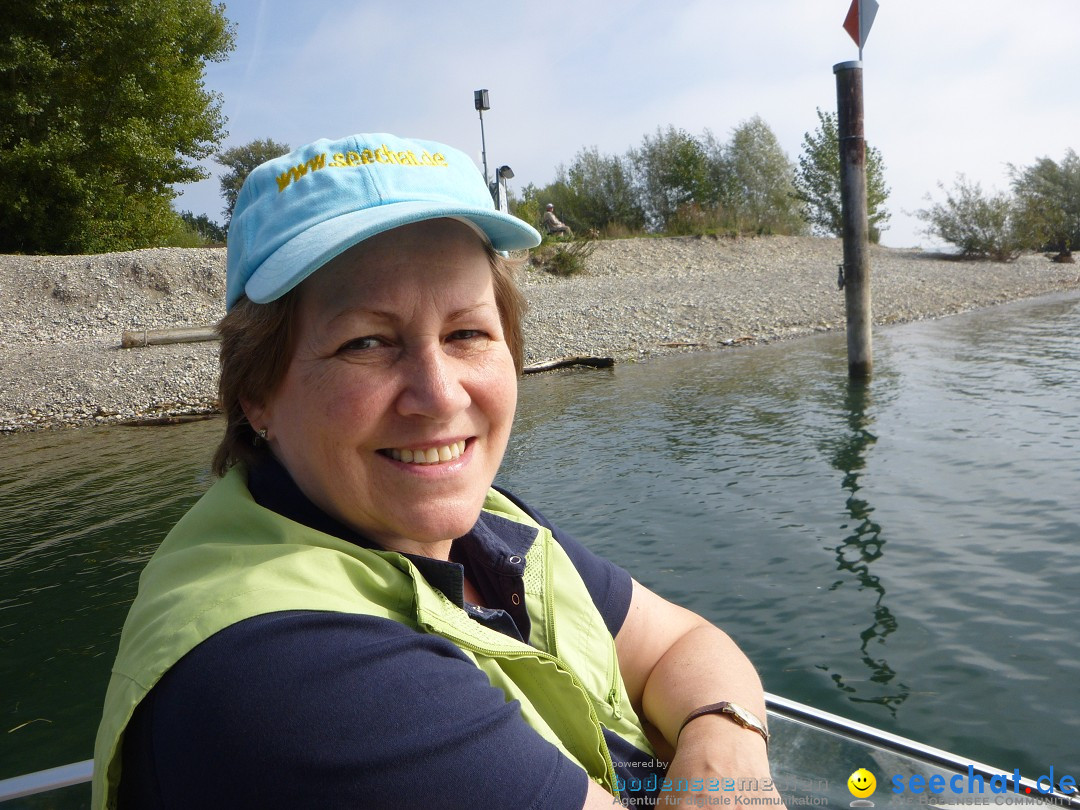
x=305, y=253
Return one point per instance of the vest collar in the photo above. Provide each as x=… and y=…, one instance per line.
x=494, y=541
x=492, y=552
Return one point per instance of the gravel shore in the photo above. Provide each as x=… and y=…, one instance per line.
x=61, y=363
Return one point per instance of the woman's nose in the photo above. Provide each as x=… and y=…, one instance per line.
x=432, y=385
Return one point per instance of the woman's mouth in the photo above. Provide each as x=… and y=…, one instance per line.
x=430, y=455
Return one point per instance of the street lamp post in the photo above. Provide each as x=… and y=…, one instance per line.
x=480, y=100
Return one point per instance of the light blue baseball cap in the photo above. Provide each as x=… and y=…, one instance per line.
x=297, y=212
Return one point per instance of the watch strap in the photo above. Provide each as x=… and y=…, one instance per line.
x=738, y=714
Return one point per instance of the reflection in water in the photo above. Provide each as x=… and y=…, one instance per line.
x=862, y=546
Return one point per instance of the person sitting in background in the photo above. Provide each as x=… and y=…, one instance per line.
x=353, y=616
x=553, y=225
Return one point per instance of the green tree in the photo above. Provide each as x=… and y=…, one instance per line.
x=601, y=192
x=528, y=206
x=719, y=177
x=759, y=186
x=979, y=225
x=239, y=161
x=677, y=183
x=1048, y=203
x=102, y=110
x=670, y=171
x=206, y=228
x=817, y=181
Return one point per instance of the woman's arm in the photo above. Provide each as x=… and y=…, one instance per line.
x=673, y=662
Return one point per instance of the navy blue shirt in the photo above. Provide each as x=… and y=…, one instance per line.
x=313, y=709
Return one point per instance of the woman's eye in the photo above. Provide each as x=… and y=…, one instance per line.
x=360, y=344
x=466, y=334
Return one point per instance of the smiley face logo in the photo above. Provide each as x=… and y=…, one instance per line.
x=862, y=783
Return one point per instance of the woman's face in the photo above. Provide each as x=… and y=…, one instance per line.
x=396, y=408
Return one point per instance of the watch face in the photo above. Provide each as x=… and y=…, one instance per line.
x=745, y=718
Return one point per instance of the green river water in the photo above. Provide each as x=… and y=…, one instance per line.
x=904, y=553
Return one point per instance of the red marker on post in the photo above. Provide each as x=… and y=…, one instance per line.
x=858, y=21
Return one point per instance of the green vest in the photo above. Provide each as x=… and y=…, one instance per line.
x=229, y=559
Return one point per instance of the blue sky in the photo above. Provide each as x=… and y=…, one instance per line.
x=951, y=86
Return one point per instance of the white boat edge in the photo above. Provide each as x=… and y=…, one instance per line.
x=30, y=784
x=794, y=710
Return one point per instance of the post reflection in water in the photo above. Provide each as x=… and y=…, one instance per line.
x=862, y=546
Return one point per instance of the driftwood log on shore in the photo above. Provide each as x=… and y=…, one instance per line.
x=135, y=338
x=565, y=362
x=547, y=365
x=158, y=421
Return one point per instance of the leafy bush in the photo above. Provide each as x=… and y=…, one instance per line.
x=208, y=231
x=1048, y=203
x=817, y=181
x=183, y=235
x=563, y=258
x=528, y=207
x=980, y=226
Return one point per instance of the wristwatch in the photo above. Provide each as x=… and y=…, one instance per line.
x=744, y=717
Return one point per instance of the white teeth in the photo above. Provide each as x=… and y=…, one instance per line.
x=432, y=455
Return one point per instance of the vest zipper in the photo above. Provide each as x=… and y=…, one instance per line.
x=615, y=693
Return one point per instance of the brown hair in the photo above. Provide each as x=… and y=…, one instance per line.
x=257, y=343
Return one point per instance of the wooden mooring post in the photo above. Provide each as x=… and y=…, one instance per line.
x=856, y=269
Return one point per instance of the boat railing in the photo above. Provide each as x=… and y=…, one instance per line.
x=30, y=784
x=861, y=745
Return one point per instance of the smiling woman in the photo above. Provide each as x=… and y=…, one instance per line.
x=353, y=616
x=387, y=364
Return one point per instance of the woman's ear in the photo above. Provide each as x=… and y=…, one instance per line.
x=257, y=415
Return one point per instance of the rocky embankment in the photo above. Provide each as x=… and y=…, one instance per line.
x=62, y=317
